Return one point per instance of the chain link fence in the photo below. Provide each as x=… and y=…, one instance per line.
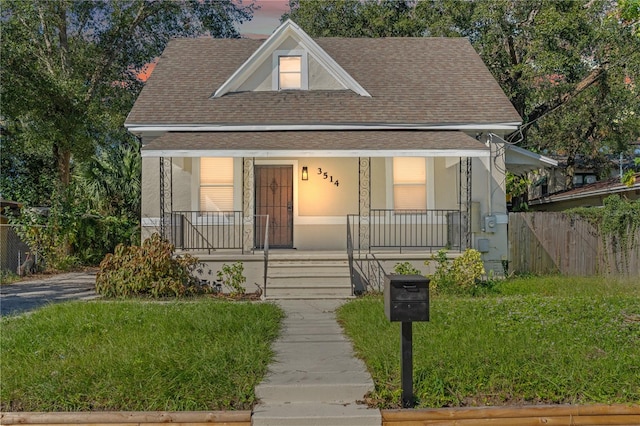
x=13, y=251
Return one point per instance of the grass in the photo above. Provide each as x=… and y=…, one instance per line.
x=534, y=340
x=8, y=277
x=135, y=355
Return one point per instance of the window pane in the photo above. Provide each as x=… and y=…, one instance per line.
x=409, y=170
x=216, y=171
x=216, y=198
x=290, y=64
x=409, y=197
x=290, y=72
x=290, y=81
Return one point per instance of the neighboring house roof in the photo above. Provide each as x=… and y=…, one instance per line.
x=519, y=160
x=12, y=205
x=298, y=143
x=590, y=194
x=412, y=83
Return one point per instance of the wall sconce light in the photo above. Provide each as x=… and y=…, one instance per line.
x=305, y=173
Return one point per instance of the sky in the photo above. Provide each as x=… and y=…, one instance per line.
x=265, y=19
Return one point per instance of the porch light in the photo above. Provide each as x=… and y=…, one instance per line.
x=305, y=173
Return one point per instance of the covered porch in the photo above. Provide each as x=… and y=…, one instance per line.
x=339, y=195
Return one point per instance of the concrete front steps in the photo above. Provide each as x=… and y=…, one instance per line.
x=315, y=378
x=308, y=276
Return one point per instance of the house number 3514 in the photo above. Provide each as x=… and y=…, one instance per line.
x=326, y=175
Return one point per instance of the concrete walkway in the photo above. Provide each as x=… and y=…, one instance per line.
x=315, y=380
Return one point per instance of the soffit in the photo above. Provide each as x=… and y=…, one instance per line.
x=380, y=143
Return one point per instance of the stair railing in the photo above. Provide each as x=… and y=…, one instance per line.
x=266, y=254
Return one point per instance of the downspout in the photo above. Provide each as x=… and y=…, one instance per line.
x=490, y=177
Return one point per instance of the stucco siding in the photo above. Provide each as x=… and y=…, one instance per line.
x=150, y=187
x=320, y=196
x=320, y=237
x=447, y=183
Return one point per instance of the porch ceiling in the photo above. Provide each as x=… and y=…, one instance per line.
x=356, y=143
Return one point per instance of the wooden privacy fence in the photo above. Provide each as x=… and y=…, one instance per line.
x=550, y=242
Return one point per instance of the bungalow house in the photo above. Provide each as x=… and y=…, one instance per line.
x=384, y=149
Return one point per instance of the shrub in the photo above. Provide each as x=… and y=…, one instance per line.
x=462, y=276
x=405, y=268
x=148, y=270
x=232, y=277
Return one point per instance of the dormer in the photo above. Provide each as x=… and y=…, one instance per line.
x=289, y=60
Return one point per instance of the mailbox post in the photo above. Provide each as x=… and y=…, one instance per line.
x=406, y=299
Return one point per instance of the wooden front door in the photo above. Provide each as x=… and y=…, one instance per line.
x=274, y=197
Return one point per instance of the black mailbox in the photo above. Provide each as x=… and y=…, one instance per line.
x=406, y=298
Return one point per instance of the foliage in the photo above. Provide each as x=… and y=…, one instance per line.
x=516, y=187
x=69, y=221
x=629, y=12
x=355, y=18
x=70, y=74
x=110, y=180
x=460, y=276
x=406, y=268
x=628, y=178
x=148, y=270
x=547, y=340
x=196, y=355
x=232, y=277
x=618, y=221
x=8, y=277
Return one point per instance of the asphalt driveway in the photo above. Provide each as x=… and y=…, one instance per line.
x=28, y=295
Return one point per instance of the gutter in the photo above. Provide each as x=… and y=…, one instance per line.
x=608, y=191
x=140, y=128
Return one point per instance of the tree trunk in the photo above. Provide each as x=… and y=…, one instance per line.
x=63, y=162
x=570, y=171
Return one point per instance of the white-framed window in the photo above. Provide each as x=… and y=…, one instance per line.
x=290, y=70
x=409, y=183
x=216, y=184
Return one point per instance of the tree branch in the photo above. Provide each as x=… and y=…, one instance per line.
x=45, y=36
x=547, y=107
x=111, y=53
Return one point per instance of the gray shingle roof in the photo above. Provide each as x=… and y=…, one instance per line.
x=332, y=141
x=422, y=81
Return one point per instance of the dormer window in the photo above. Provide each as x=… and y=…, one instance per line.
x=290, y=70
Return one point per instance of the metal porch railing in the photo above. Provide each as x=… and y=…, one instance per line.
x=196, y=230
x=386, y=229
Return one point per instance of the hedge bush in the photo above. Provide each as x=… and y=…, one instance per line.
x=149, y=270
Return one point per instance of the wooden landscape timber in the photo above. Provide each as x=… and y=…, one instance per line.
x=129, y=418
x=574, y=415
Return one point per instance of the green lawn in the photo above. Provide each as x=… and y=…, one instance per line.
x=136, y=355
x=532, y=341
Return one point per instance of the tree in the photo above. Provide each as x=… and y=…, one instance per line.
x=70, y=67
x=355, y=18
x=69, y=77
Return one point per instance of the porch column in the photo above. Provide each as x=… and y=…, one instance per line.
x=465, y=203
x=248, y=184
x=364, y=204
x=166, y=197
